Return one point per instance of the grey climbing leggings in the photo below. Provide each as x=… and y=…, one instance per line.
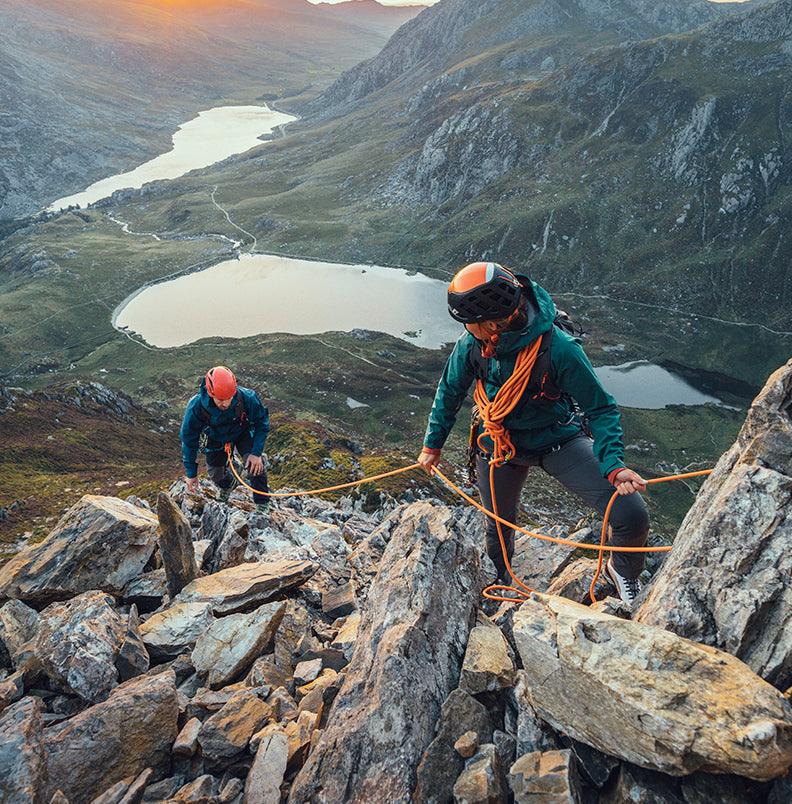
x=575, y=466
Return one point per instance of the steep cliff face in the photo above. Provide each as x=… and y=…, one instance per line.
x=665, y=159
x=446, y=34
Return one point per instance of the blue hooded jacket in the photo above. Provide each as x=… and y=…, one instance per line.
x=223, y=426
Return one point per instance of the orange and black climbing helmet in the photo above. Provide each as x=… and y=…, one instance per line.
x=221, y=382
x=483, y=291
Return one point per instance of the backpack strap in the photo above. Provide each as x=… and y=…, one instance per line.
x=541, y=379
x=240, y=414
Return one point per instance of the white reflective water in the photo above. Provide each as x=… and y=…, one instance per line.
x=644, y=385
x=212, y=136
x=264, y=294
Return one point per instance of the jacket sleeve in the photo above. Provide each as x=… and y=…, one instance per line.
x=259, y=423
x=575, y=375
x=451, y=392
x=190, y=434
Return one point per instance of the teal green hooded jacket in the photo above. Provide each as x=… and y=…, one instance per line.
x=535, y=426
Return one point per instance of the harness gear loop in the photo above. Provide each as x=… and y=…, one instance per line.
x=494, y=411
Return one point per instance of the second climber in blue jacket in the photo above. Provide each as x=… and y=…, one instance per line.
x=227, y=414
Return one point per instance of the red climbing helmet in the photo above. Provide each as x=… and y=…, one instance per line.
x=221, y=382
x=483, y=291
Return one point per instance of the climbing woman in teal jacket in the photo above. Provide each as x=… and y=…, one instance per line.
x=540, y=404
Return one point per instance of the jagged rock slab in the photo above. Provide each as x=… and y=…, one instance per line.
x=99, y=543
x=132, y=730
x=487, y=666
x=225, y=735
x=726, y=581
x=551, y=777
x=23, y=761
x=231, y=643
x=483, y=780
x=441, y=763
x=412, y=639
x=649, y=696
x=18, y=624
x=264, y=780
x=246, y=586
x=176, y=547
x=78, y=643
x=175, y=630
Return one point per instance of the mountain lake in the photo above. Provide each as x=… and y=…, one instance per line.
x=300, y=296
x=214, y=135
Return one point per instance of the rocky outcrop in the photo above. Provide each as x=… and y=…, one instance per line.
x=100, y=543
x=643, y=694
x=132, y=730
x=176, y=546
x=351, y=657
x=726, y=582
x=410, y=643
x=431, y=42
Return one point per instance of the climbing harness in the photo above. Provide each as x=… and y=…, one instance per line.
x=521, y=590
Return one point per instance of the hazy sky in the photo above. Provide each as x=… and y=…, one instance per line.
x=432, y=2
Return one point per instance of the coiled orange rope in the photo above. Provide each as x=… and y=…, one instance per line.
x=494, y=411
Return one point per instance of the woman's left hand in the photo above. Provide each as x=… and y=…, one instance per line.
x=254, y=464
x=628, y=482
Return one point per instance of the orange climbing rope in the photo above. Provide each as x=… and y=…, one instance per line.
x=229, y=450
x=603, y=535
x=600, y=548
x=494, y=411
x=525, y=590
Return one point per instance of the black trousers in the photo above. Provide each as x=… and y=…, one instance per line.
x=220, y=473
x=575, y=466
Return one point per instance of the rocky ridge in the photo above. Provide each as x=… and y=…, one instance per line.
x=592, y=138
x=435, y=42
x=207, y=653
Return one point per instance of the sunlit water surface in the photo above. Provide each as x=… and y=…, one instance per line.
x=264, y=294
x=259, y=294
x=214, y=135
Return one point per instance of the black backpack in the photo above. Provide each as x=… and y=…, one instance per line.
x=240, y=417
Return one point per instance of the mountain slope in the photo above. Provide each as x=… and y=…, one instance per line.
x=656, y=169
x=538, y=36
x=92, y=88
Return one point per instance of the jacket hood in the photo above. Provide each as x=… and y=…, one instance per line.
x=544, y=313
